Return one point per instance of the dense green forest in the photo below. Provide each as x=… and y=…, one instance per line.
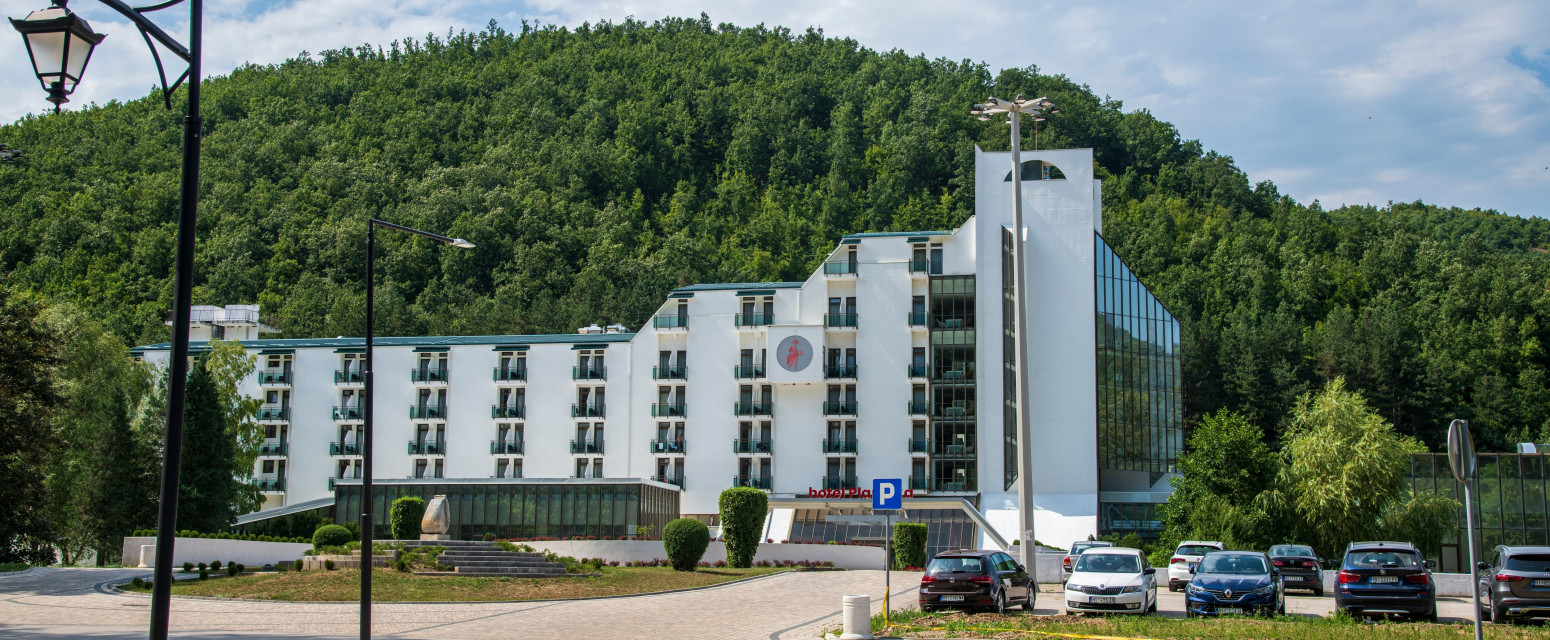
x=599, y=167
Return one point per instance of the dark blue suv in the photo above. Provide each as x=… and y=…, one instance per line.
x=1386, y=578
x=1234, y=583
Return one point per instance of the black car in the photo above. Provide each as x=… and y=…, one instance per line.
x=1299, y=567
x=1515, y=584
x=1386, y=578
x=980, y=579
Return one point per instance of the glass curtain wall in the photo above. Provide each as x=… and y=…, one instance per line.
x=953, y=433
x=507, y=510
x=1511, y=491
x=1009, y=355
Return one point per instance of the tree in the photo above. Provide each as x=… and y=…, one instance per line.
x=27, y=399
x=404, y=517
x=120, y=491
x=1218, y=492
x=742, y=523
x=684, y=540
x=207, y=488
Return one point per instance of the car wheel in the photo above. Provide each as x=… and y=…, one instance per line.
x=1153, y=608
x=1432, y=617
x=926, y=609
x=1173, y=587
x=1319, y=592
x=1499, y=615
x=1000, y=605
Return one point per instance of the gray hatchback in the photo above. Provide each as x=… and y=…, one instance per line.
x=1515, y=584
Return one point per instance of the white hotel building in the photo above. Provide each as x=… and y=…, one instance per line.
x=901, y=369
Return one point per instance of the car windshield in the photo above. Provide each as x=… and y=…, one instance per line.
x=1108, y=563
x=1540, y=563
x=1383, y=559
x=1078, y=548
x=955, y=565
x=1291, y=551
x=1233, y=564
x=1195, y=549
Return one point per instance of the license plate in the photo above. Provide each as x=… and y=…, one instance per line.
x=952, y=598
x=1293, y=578
x=1103, y=599
x=1385, y=579
x=1229, y=611
x=1542, y=583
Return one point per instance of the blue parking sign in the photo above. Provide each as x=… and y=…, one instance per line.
x=887, y=493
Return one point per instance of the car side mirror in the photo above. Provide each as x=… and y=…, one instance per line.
x=1274, y=571
x=1479, y=565
x=1151, y=571
x=1430, y=564
x=1022, y=569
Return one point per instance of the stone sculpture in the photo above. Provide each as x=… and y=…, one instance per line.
x=437, y=520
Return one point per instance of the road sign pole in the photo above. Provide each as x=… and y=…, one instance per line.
x=1463, y=463
x=887, y=561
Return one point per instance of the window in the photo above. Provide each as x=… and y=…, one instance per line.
x=268, y=466
x=597, y=467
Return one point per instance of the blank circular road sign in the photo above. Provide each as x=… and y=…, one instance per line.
x=1461, y=451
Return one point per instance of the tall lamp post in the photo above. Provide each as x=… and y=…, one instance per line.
x=366, y=453
x=59, y=43
x=1014, y=110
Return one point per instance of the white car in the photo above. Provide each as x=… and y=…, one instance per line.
x=1186, y=558
x=1111, y=580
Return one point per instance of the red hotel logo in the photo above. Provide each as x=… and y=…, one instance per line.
x=855, y=492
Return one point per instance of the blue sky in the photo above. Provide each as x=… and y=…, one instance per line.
x=1343, y=102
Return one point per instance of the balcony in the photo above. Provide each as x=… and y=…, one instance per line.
x=748, y=372
x=921, y=267
x=274, y=449
x=331, y=484
x=427, y=448
x=670, y=322
x=753, y=446
x=276, y=378
x=427, y=412
x=839, y=320
x=839, y=482
x=269, y=484
x=916, y=370
x=667, y=446
x=344, y=448
x=672, y=480
x=348, y=413
x=839, y=446
x=274, y=413
x=959, y=409
x=587, y=411
x=918, y=319
x=919, y=445
x=956, y=375
x=757, y=482
x=352, y=376
x=680, y=372
x=831, y=408
x=839, y=371
x=509, y=374
x=753, y=409
x=504, y=447
x=916, y=407
x=920, y=483
x=584, y=446
x=938, y=484
x=951, y=324
x=753, y=319
x=953, y=450
x=842, y=268
x=430, y=375
x=518, y=412
x=669, y=409
x=589, y=373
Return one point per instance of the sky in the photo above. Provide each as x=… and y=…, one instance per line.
x=1340, y=102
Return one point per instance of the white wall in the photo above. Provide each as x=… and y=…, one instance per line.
x=251, y=553
x=843, y=556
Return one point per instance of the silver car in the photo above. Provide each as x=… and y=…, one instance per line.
x=1515, y=584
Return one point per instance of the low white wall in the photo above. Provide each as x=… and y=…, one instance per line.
x=250, y=553
x=1449, y=585
x=1049, y=568
x=843, y=556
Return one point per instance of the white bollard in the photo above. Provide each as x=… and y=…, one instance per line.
x=857, y=614
x=147, y=556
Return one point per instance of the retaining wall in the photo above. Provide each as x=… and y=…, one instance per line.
x=196, y=550
x=843, y=556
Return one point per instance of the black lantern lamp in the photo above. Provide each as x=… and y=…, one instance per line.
x=60, y=44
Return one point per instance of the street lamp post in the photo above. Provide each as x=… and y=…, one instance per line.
x=367, y=556
x=59, y=43
x=1014, y=109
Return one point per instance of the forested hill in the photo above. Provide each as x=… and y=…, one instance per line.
x=597, y=168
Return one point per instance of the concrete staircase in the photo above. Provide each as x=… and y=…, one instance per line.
x=476, y=558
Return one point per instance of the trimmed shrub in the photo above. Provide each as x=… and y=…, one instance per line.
x=215, y=566
x=742, y=523
x=909, y=545
x=330, y=535
x=404, y=518
x=328, y=564
x=202, y=567
x=188, y=567
x=297, y=564
x=685, y=540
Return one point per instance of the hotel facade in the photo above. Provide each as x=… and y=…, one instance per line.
x=891, y=360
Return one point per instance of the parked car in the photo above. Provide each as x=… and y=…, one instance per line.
x=1076, y=550
x=1515, y=584
x=1234, y=583
x=1185, y=559
x=1387, y=578
x=981, y=579
x=1299, y=566
x=1112, y=579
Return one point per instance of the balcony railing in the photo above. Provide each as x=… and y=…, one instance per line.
x=330, y=484
x=344, y=448
x=586, y=411
x=956, y=375
x=270, y=484
x=747, y=372
x=839, y=446
x=670, y=322
x=919, y=445
x=274, y=413
x=753, y=319
x=673, y=480
x=920, y=483
x=586, y=446
x=958, y=409
x=680, y=372
x=667, y=446
x=669, y=409
x=753, y=446
x=916, y=407
x=434, y=374
x=839, y=268
x=839, y=371
x=589, y=373
x=274, y=448
x=952, y=450
x=348, y=413
x=757, y=482
x=753, y=409
x=918, y=318
x=427, y=412
x=839, y=408
x=919, y=265
x=509, y=374
x=839, y=320
x=839, y=482
x=427, y=448
x=352, y=376
x=274, y=377
x=951, y=324
x=509, y=411
x=938, y=484
x=917, y=370
x=509, y=446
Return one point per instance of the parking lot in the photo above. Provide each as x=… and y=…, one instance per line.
x=1171, y=604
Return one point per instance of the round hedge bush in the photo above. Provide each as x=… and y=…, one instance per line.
x=404, y=517
x=685, y=540
x=909, y=545
x=742, y=523
x=331, y=535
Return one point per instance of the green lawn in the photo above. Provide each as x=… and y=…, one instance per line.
x=393, y=586
x=12, y=566
x=913, y=624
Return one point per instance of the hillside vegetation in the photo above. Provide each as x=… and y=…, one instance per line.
x=599, y=167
